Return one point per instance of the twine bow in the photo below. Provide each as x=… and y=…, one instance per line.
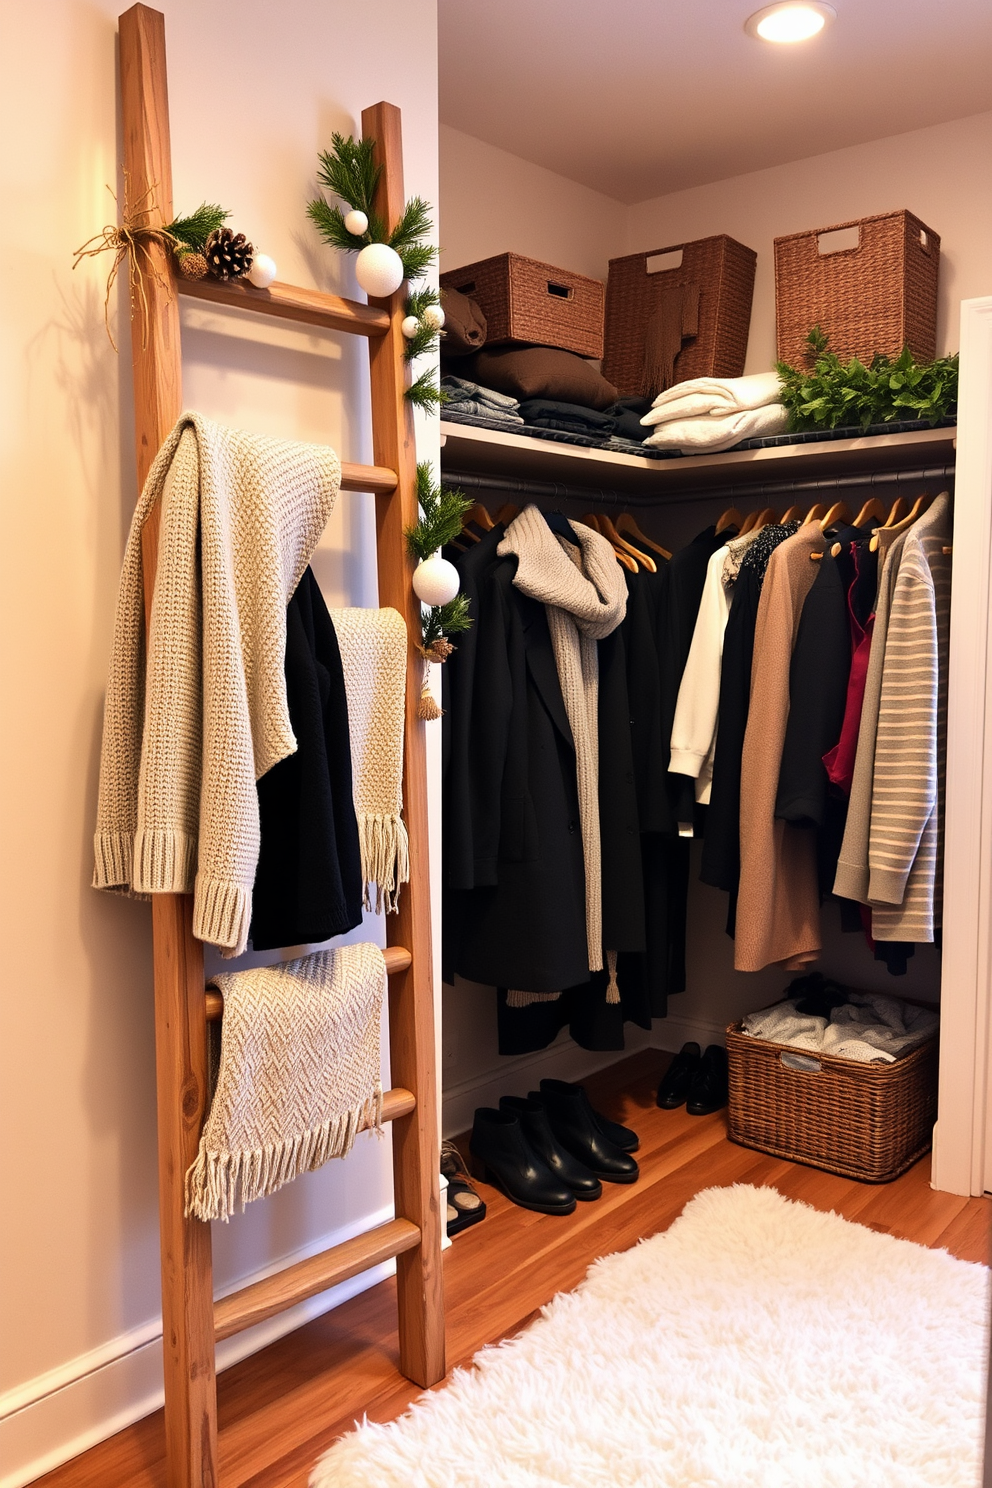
x=130, y=240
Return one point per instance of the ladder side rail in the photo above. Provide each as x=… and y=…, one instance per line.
x=411, y=1000
x=180, y=993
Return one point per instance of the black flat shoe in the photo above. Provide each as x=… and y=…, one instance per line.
x=537, y=1130
x=620, y=1136
x=677, y=1079
x=709, y=1089
x=579, y=1134
x=511, y=1164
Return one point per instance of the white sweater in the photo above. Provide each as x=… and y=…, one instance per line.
x=196, y=717
x=694, y=727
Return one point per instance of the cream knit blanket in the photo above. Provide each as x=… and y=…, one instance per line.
x=193, y=720
x=585, y=599
x=373, y=646
x=299, y=1075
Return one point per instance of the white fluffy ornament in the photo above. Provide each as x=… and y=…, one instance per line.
x=433, y=316
x=379, y=270
x=435, y=581
x=356, y=222
x=262, y=271
x=410, y=327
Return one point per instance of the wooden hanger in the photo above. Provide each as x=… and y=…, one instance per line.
x=763, y=518
x=920, y=505
x=507, y=513
x=748, y=523
x=899, y=509
x=792, y=514
x=595, y=520
x=839, y=512
x=626, y=523
x=815, y=514
x=608, y=528
x=873, y=512
x=730, y=518
x=480, y=516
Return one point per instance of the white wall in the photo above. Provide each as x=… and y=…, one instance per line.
x=939, y=173
x=253, y=97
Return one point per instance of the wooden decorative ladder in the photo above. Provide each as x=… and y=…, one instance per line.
x=192, y=1321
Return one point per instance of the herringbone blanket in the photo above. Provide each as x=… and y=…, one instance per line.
x=299, y=1075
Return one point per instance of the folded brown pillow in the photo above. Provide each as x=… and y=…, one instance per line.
x=540, y=372
x=464, y=324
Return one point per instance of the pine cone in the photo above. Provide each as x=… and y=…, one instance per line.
x=229, y=255
x=192, y=265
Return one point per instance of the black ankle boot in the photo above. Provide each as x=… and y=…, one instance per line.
x=620, y=1136
x=677, y=1080
x=512, y=1165
x=579, y=1134
x=708, y=1091
x=537, y=1130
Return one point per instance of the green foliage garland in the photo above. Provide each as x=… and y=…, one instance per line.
x=442, y=510
x=830, y=394
x=191, y=233
x=349, y=171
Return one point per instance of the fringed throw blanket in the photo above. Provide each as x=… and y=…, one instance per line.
x=299, y=1075
x=194, y=718
x=374, y=653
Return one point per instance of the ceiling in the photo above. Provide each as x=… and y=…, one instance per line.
x=637, y=98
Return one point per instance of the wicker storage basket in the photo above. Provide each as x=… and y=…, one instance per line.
x=876, y=296
x=533, y=303
x=865, y=1121
x=723, y=272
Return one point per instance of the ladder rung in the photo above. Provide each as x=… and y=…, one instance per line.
x=291, y=302
x=377, y=478
x=263, y=1299
x=397, y=959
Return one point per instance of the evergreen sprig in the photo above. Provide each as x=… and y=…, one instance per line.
x=194, y=230
x=424, y=298
x=443, y=620
x=442, y=510
x=350, y=171
x=424, y=392
x=831, y=394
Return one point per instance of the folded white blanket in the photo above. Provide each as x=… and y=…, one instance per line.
x=714, y=397
x=709, y=435
x=869, y=1027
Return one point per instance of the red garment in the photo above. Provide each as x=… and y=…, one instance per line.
x=839, y=761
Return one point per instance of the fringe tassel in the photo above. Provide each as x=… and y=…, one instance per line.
x=613, y=987
x=428, y=708
x=385, y=850
x=218, y=1182
x=516, y=999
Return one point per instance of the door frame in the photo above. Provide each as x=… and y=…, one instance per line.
x=962, y=1153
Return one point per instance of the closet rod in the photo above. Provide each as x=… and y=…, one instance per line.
x=554, y=491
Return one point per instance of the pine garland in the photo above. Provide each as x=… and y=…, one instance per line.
x=350, y=172
x=193, y=231
x=442, y=510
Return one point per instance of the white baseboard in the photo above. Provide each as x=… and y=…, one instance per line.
x=672, y=1032
x=57, y=1415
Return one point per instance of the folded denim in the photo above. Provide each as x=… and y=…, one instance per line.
x=460, y=390
x=547, y=413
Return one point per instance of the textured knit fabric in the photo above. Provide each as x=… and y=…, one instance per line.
x=710, y=435
x=905, y=850
x=308, y=884
x=374, y=654
x=851, y=880
x=694, y=727
x=196, y=718
x=299, y=1075
x=865, y=1027
x=585, y=602
x=714, y=397
x=778, y=904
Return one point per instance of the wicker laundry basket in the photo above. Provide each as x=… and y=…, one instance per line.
x=864, y=1121
x=720, y=269
x=875, y=296
x=533, y=303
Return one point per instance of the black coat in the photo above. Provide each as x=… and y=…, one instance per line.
x=308, y=883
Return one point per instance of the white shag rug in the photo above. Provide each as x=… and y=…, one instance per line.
x=756, y=1344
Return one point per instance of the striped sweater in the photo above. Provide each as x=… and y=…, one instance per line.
x=906, y=835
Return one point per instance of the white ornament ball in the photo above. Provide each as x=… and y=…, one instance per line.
x=262, y=271
x=434, y=317
x=356, y=222
x=435, y=581
x=410, y=327
x=379, y=270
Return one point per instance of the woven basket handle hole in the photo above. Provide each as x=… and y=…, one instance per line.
x=560, y=291
x=840, y=240
x=801, y=1062
x=466, y=289
x=924, y=240
x=660, y=263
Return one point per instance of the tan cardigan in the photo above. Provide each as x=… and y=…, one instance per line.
x=778, y=904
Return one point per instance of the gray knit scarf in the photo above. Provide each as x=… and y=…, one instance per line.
x=585, y=599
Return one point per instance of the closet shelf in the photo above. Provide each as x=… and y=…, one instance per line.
x=470, y=450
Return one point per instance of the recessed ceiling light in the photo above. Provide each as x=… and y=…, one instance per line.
x=790, y=20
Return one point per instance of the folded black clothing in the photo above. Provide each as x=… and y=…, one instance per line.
x=628, y=413
x=308, y=884
x=548, y=413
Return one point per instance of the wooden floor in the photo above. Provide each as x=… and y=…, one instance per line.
x=279, y=1409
